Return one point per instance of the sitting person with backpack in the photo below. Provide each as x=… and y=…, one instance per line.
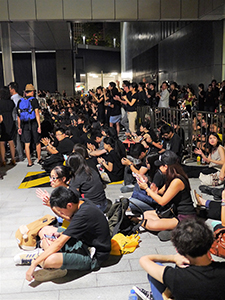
x=29, y=124
x=88, y=228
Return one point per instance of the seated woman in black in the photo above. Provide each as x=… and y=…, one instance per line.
x=176, y=191
x=86, y=181
x=112, y=162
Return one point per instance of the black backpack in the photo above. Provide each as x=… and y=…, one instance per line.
x=119, y=222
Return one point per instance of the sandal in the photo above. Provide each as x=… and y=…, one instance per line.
x=30, y=165
x=197, y=199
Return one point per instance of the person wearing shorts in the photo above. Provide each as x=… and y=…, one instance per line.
x=31, y=130
x=84, y=245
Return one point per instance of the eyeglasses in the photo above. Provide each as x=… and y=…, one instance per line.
x=53, y=178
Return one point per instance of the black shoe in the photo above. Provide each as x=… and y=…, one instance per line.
x=40, y=161
x=206, y=189
x=164, y=235
x=217, y=193
x=30, y=165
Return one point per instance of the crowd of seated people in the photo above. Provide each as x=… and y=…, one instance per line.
x=83, y=133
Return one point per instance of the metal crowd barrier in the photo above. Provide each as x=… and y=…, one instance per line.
x=202, y=124
x=196, y=126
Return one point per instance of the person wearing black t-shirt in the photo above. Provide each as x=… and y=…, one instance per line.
x=112, y=162
x=31, y=129
x=171, y=141
x=86, y=180
x=142, y=97
x=195, y=276
x=201, y=97
x=88, y=228
x=132, y=100
x=65, y=145
x=173, y=95
x=115, y=107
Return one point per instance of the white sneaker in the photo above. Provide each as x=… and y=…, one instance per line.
x=26, y=259
x=49, y=274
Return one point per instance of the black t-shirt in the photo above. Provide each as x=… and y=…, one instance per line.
x=142, y=98
x=196, y=282
x=91, y=227
x=65, y=146
x=134, y=106
x=90, y=186
x=116, y=110
x=174, y=144
x=118, y=169
x=173, y=103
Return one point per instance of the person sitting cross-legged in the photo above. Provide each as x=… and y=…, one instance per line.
x=88, y=228
x=196, y=275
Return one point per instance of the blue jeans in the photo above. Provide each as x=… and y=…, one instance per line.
x=141, y=198
x=157, y=287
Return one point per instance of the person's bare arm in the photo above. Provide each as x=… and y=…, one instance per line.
x=174, y=188
x=53, y=248
x=97, y=152
x=38, y=119
x=148, y=263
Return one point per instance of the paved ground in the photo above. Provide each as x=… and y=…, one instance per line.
x=111, y=282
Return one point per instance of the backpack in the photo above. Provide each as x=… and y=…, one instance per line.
x=25, y=109
x=118, y=221
x=26, y=235
x=218, y=246
x=52, y=161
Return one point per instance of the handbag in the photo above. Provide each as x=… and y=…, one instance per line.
x=218, y=246
x=167, y=211
x=210, y=179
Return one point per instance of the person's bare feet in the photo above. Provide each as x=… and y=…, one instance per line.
x=199, y=199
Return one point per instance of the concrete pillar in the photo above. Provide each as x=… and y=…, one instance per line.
x=7, y=61
x=34, y=68
x=223, y=53
x=64, y=69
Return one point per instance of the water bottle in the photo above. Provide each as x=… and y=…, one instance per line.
x=132, y=295
x=198, y=160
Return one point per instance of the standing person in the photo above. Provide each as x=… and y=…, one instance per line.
x=173, y=95
x=99, y=97
x=190, y=99
x=201, y=97
x=29, y=124
x=196, y=275
x=8, y=128
x=164, y=96
x=142, y=97
x=132, y=100
x=115, y=107
x=151, y=94
x=209, y=100
x=13, y=88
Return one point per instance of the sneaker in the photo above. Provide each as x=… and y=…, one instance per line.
x=26, y=259
x=142, y=293
x=49, y=274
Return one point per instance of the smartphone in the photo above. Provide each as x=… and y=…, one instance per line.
x=50, y=236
